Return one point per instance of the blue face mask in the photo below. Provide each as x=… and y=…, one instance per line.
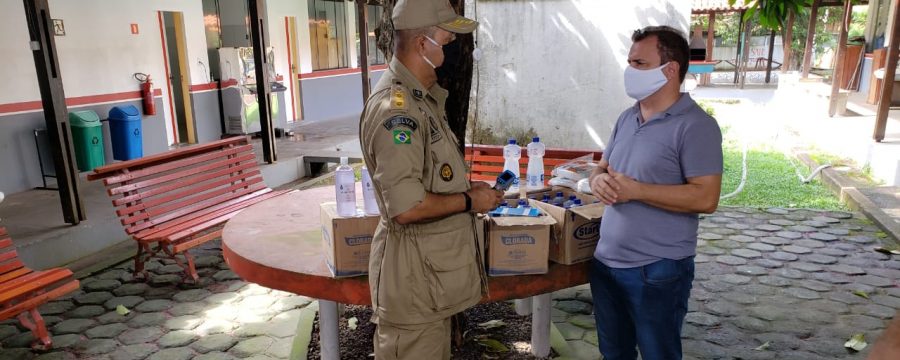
x=640, y=84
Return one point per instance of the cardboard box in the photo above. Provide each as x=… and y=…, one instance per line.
x=577, y=230
x=518, y=245
x=346, y=241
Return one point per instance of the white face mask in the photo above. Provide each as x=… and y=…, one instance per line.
x=425, y=57
x=639, y=84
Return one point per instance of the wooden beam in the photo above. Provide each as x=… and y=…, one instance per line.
x=786, y=42
x=56, y=115
x=841, y=54
x=890, y=71
x=706, y=79
x=810, y=35
x=362, y=18
x=263, y=88
x=771, y=54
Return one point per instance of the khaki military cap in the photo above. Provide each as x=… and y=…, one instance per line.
x=417, y=14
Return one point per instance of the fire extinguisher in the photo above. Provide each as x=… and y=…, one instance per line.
x=146, y=93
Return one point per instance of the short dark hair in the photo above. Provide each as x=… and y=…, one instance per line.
x=672, y=45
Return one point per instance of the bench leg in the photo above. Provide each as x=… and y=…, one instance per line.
x=540, y=326
x=143, y=254
x=328, y=330
x=523, y=306
x=37, y=327
x=187, y=264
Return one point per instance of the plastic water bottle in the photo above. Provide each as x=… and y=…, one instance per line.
x=535, y=172
x=559, y=199
x=511, y=154
x=570, y=202
x=345, y=189
x=577, y=203
x=546, y=199
x=368, y=189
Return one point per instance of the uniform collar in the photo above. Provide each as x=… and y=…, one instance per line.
x=436, y=92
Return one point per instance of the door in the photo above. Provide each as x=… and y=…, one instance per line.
x=290, y=24
x=178, y=77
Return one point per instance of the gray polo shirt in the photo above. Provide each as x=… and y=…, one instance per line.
x=677, y=144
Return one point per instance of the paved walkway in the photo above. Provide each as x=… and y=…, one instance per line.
x=785, y=278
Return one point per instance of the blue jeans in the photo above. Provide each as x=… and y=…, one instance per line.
x=641, y=307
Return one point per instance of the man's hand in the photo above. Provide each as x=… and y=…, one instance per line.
x=605, y=188
x=484, y=198
x=627, y=189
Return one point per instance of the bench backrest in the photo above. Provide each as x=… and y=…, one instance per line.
x=10, y=265
x=179, y=185
x=487, y=160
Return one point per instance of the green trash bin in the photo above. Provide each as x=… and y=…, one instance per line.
x=87, y=135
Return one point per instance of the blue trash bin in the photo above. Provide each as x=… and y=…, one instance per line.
x=125, y=131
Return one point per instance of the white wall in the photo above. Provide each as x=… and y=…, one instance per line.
x=557, y=65
x=98, y=54
x=277, y=10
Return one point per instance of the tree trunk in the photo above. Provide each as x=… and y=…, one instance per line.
x=384, y=33
x=787, y=41
x=455, y=75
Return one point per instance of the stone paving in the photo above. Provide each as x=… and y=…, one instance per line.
x=780, y=277
x=781, y=281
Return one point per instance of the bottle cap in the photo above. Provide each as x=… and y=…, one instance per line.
x=572, y=197
x=523, y=202
x=512, y=141
x=536, y=139
x=559, y=194
x=345, y=160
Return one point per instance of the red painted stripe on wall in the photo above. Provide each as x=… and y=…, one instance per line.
x=204, y=87
x=76, y=101
x=335, y=72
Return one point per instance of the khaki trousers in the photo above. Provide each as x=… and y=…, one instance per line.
x=426, y=341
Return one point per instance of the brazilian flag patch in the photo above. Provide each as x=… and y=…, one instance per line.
x=402, y=137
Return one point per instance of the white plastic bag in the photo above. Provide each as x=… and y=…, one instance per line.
x=576, y=169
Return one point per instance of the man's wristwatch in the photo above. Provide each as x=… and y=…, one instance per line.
x=468, y=202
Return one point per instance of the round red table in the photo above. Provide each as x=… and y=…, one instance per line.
x=278, y=244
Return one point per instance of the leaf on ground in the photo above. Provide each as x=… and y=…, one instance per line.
x=487, y=356
x=487, y=325
x=763, y=347
x=122, y=310
x=861, y=294
x=492, y=345
x=888, y=250
x=857, y=342
x=352, y=323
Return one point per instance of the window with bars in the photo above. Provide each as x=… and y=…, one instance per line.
x=328, y=34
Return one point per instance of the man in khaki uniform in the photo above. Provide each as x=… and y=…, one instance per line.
x=426, y=263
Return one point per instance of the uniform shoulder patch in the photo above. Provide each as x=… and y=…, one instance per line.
x=402, y=137
x=400, y=120
x=398, y=97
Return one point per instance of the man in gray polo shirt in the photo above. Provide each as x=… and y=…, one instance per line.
x=661, y=167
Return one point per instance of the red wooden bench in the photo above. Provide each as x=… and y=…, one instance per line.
x=487, y=160
x=22, y=290
x=181, y=198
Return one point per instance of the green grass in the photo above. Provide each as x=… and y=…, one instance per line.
x=772, y=182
